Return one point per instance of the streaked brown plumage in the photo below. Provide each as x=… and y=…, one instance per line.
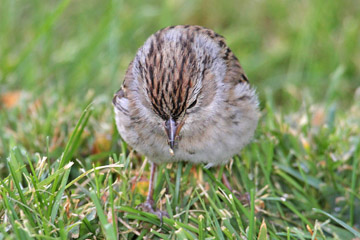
x=185, y=90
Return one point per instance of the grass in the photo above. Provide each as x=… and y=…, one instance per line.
x=65, y=173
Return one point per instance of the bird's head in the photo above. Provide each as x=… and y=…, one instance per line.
x=180, y=73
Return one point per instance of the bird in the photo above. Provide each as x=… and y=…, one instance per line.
x=185, y=97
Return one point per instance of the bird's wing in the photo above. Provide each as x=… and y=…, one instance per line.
x=121, y=96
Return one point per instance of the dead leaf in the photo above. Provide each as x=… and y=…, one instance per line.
x=102, y=143
x=67, y=207
x=310, y=230
x=10, y=99
x=318, y=118
x=141, y=187
x=263, y=231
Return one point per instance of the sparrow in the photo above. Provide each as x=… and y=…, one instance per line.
x=185, y=97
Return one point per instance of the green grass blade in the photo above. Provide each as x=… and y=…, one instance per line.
x=338, y=221
x=177, y=185
x=252, y=222
x=56, y=205
x=73, y=142
x=108, y=228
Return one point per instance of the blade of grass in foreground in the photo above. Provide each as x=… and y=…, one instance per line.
x=92, y=170
x=12, y=215
x=17, y=180
x=60, y=193
x=177, y=185
x=72, y=145
x=252, y=215
x=201, y=227
x=152, y=218
x=227, y=191
x=108, y=228
x=338, y=221
x=74, y=140
x=112, y=207
x=353, y=186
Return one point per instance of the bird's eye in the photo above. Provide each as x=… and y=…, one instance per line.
x=192, y=104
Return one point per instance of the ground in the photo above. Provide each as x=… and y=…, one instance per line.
x=65, y=173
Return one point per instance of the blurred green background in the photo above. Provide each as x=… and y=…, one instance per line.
x=290, y=49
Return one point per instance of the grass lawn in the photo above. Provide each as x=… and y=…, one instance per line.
x=65, y=172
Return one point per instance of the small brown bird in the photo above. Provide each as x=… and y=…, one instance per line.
x=185, y=97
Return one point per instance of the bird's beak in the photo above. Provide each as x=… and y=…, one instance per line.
x=172, y=129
